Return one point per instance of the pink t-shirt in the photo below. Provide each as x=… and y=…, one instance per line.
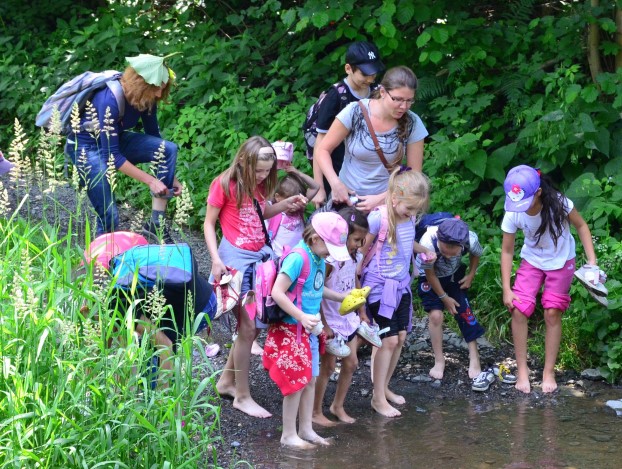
x=242, y=228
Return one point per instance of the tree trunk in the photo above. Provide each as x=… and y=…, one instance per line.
x=619, y=37
x=593, y=41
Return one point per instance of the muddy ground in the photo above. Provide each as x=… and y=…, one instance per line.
x=238, y=429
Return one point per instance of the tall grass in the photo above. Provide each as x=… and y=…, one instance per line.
x=75, y=380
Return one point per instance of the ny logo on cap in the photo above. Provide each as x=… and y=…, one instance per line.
x=371, y=55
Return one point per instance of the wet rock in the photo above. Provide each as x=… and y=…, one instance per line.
x=235, y=444
x=364, y=392
x=484, y=343
x=601, y=438
x=615, y=405
x=418, y=345
x=592, y=374
x=436, y=383
x=421, y=379
x=421, y=410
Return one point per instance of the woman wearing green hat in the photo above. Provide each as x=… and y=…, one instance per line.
x=108, y=140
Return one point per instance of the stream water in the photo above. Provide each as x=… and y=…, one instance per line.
x=567, y=430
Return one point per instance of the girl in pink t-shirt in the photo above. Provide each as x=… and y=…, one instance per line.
x=235, y=198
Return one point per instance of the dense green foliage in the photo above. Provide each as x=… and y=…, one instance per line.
x=501, y=83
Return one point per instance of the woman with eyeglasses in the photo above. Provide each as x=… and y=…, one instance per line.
x=399, y=132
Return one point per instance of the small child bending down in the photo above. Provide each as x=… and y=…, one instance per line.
x=391, y=242
x=341, y=277
x=443, y=285
x=291, y=353
x=533, y=205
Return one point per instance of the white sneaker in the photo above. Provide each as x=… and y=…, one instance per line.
x=592, y=278
x=336, y=346
x=369, y=333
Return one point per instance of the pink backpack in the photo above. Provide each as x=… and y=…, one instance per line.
x=265, y=276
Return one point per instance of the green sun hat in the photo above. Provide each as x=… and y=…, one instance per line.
x=152, y=68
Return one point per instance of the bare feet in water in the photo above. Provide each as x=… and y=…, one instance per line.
x=394, y=398
x=296, y=442
x=322, y=420
x=522, y=383
x=341, y=414
x=314, y=438
x=384, y=408
x=548, y=382
x=437, y=370
x=250, y=407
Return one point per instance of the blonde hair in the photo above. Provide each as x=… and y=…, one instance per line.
x=243, y=167
x=139, y=93
x=407, y=186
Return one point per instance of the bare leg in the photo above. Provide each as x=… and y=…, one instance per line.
x=519, y=334
x=305, y=416
x=553, y=320
x=374, y=350
x=241, y=358
x=390, y=395
x=348, y=367
x=327, y=366
x=381, y=364
x=435, y=327
x=289, y=436
x=475, y=367
x=226, y=383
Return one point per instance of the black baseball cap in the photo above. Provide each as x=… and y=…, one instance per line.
x=365, y=56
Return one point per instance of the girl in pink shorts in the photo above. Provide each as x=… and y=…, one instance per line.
x=533, y=205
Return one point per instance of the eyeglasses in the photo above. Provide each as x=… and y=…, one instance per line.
x=400, y=101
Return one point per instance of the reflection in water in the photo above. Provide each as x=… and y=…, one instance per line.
x=561, y=431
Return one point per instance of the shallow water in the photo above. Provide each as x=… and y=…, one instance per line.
x=565, y=431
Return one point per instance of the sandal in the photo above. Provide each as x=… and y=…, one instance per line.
x=228, y=292
x=503, y=373
x=592, y=278
x=483, y=381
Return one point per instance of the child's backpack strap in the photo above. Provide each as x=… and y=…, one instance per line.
x=273, y=225
x=374, y=249
x=296, y=294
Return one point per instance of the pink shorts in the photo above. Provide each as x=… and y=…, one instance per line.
x=529, y=280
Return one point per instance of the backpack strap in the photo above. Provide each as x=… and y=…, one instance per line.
x=119, y=95
x=273, y=225
x=374, y=250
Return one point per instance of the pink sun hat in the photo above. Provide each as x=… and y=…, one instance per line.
x=5, y=165
x=105, y=247
x=334, y=232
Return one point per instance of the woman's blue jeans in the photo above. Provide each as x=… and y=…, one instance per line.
x=137, y=148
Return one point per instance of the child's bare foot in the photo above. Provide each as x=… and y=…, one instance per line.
x=548, y=382
x=226, y=390
x=296, y=442
x=341, y=414
x=250, y=407
x=438, y=370
x=384, y=408
x=474, y=371
x=394, y=398
x=522, y=382
x=322, y=420
x=256, y=349
x=314, y=438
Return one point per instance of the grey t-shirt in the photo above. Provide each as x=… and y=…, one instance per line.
x=362, y=170
x=446, y=266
